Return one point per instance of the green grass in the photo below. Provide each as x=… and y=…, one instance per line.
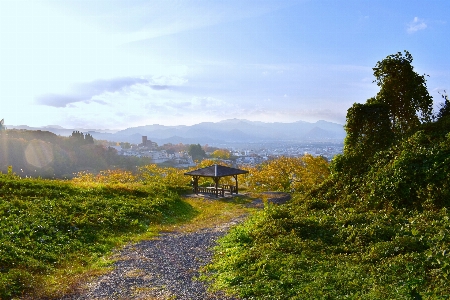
x=305, y=251
x=55, y=234
x=49, y=226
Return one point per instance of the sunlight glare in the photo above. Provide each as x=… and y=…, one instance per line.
x=39, y=153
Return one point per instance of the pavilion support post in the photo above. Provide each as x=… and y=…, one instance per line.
x=195, y=184
x=236, y=180
x=216, y=185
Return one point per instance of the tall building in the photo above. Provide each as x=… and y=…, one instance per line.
x=146, y=143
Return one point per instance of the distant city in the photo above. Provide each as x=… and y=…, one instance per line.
x=248, y=142
x=244, y=154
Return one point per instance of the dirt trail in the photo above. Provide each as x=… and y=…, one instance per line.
x=163, y=268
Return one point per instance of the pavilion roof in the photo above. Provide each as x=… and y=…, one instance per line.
x=216, y=171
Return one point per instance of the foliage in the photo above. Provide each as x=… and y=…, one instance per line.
x=48, y=227
x=309, y=249
x=444, y=110
x=44, y=154
x=196, y=152
x=125, y=145
x=404, y=91
x=152, y=175
x=383, y=121
x=288, y=174
x=221, y=153
x=46, y=224
x=106, y=177
x=413, y=174
x=81, y=138
x=377, y=228
x=174, y=148
x=208, y=162
x=168, y=176
x=368, y=130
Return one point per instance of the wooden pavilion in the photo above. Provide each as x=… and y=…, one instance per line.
x=216, y=172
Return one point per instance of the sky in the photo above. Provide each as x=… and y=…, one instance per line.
x=110, y=64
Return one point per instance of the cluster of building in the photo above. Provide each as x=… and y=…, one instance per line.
x=150, y=149
x=254, y=157
x=239, y=155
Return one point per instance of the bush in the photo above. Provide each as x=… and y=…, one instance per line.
x=297, y=251
x=289, y=174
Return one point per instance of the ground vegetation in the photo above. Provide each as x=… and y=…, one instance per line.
x=378, y=227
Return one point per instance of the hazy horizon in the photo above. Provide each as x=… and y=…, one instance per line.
x=119, y=64
x=55, y=126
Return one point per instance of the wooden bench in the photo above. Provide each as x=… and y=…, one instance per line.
x=211, y=190
x=229, y=188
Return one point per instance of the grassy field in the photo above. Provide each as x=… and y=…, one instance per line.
x=53, y=233
x=311, y=250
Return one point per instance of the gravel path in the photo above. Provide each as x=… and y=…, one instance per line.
x=164, y=268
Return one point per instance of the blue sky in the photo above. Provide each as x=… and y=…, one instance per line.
x=117, y=64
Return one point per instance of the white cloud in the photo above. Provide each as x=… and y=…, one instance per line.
x=416, y=25
x=86, y=91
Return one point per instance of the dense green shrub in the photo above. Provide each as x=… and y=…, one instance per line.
x=413, y=174
x=298, y=251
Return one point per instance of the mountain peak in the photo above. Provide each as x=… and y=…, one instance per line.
x=234, y=121
x=223, y=132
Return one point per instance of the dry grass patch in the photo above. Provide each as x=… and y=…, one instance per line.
x=135, y=273
x=214, y=212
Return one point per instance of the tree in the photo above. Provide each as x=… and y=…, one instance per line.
x=125, y=145
x=444, y=107
x=397, y=110
x=221, y=154
x=289, y=174
x=77, y=135
x=89, y=139
x=82, y=139
x=403, y=91
x=368, y=129
x=196, y=152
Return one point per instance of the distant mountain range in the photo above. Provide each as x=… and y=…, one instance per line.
x=223, y=132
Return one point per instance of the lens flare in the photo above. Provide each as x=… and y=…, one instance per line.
x=39, y=153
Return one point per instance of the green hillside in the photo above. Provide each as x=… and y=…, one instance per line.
x=50, y=225
x=55, y=234
x=377, y=228
x=47, y=155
